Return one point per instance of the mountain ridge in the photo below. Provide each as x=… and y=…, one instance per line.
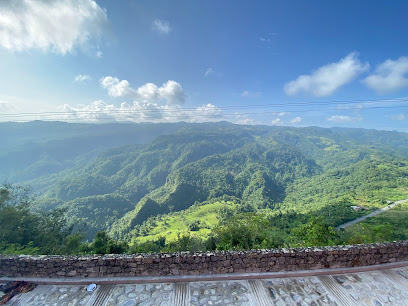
x=177, y=165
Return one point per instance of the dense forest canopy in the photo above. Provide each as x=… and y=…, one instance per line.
x=154, y=187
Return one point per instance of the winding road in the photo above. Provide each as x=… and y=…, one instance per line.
x=374, y=213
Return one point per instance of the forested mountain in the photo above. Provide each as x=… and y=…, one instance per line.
x=123, y=178
x=33, y=149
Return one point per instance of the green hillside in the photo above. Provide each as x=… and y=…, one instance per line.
x=391, y=225
x=143, y=181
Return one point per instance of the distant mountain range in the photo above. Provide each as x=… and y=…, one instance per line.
x=115, y=176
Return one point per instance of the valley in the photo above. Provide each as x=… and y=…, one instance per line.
x=153, y=185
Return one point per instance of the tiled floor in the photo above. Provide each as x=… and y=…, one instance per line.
x=386, y=287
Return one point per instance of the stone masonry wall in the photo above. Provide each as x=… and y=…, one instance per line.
x=187, y=263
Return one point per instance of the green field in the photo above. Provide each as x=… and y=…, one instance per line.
x=175, y=224
x=391, y=225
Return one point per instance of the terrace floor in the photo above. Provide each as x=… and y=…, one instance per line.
x=375, y=285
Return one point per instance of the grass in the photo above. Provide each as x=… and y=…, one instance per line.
x=208, y=215
x=388, y=226
x=170, y=226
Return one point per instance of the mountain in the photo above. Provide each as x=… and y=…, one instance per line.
x=115, y=177
x=33, y=149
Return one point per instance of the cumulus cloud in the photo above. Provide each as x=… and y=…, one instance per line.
x=82, y=78
x=338, y=118
x=277, y=121
x=58, y=26
x=171, y=91
x=148, y=92
x=208, y=112
x=389, y=76
x=161, y=26
x=140, y=111
x=296, y=120
x=209, y=71
x=116, y=88
x=327, y=79
x=243, y=119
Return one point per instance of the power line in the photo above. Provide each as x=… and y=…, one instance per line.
x=197, y=112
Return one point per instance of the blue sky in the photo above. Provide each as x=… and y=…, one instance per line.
x=248, y=62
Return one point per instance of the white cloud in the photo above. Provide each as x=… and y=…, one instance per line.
x=265, y=40
x=281, y=114
x=296, y=120
x=100, y=111
x=338, y=118
x=389, y=76
x=82, y=78
x=209, y=71
x=139, y=112
x=115, y=87
x=398, y=117
x=14, y=108
x=277, y=121
x=161, y=26
x=327, y=79
x=250, y=94
x=171, y=91
x=208, y=112
x=245, y=119
x=5, y=106
x=148, y=92
x=57, y=26
x=99, y=54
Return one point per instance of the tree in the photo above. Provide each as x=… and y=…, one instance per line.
x=104, y=244
x=23, y=231
x=247, y=231
x=315, y=233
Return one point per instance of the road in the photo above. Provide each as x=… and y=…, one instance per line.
x=374, y=213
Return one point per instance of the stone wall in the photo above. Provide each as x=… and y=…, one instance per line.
x=186, y=263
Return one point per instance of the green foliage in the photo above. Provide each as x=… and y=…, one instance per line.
x=388, y=226
x=194, y=226
x=186, y=182
x=90, y=214
x=17, y=249
x=150, y=246
x=23, y=231
x=103, y=244
x=315, y=232
x=247, y=231
x=207, y=214
x=186, y=242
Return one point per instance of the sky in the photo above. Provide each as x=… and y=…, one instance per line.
x=291, y=63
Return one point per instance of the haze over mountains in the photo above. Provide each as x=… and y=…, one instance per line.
x=115, y=176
